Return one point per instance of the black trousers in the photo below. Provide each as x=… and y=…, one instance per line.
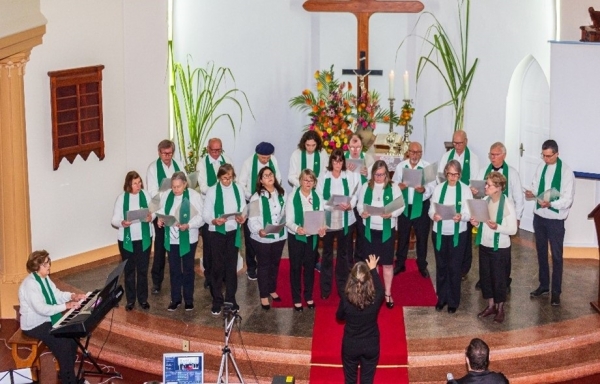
x=468, y=257
x=302, y=265
x=63, y=349
x=224, y=256
x=359, y=244
x=136, y=272
x=343, y=262
x=492, y=272
x=365, y=355
x=250, y=252
x=268, y=256
x=206, y=256
x=421, y=227
x=553, y=231
x=158, y=262
x=449, y=260
x=182, y=274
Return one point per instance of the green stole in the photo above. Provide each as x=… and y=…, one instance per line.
x=457, y=203
x=299, y=214
x=417, y=204
x=327, y=195
x=127, y=242
x=556, y=180
x=388, y=195
x=266, y=210
x=504, y=172
x=499, y=217
x=316, y=162
x=184, y=218
x=220, y=210
x=211, y=176
x=48, y=295
x=465, y=177
x=160, y=172
x=363, y=179
x=255, y=172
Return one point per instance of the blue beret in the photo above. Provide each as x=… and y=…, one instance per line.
x=265, y=148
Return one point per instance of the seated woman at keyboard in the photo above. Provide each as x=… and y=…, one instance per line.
x=41, y=306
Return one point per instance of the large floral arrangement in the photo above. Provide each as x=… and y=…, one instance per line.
x=330, y=109
x=406, y=115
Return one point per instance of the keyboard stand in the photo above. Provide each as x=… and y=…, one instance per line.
x=86, y=355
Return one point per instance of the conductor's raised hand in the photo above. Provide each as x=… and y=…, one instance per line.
x=372, y=261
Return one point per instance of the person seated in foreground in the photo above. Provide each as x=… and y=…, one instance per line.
x=477, y=357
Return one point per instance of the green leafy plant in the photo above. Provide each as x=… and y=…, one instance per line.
x=452, y=63
x=197, y=95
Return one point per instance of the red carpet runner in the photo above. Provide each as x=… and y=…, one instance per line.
x=408, y=289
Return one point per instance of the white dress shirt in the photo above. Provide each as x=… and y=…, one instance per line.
x=474, y=162
x=397, y=178
x=202, y=172
x=195, y=211
x=337, y=188
x=34, y=310
x=229, y=205
x=255, y=224
x=450, y=199
x=378, y=201
x=296, y=165
x=515, y=189
x=134, y=204
x=506, y=229
x=567, y=191
x=152, y=175
x=245, y=176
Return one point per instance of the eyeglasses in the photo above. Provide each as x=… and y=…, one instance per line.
x=453, y=174
x=337, y=161
x=414, y=152
x=47, y=263
x=267, y=175
x=355, y=148
x=215, y=149
x=488, y=185
x=168, y=154
x=308, y=181
x=495, y=154
x=548, y=156
x=458, y=142
x=226, y=178
x=379, y=174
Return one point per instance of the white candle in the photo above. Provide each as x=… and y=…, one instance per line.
x=406, y=97
x=391, y=84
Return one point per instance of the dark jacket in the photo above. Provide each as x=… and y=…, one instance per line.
x=487, y=377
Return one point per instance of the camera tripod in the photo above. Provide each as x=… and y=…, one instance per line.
x=230, y=318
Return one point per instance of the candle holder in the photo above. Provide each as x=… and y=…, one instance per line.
x=405, y=119
x=392, y=137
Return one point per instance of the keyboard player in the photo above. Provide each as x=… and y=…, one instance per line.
x=41, y=306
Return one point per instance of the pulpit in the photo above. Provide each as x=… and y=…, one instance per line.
x=595, y=214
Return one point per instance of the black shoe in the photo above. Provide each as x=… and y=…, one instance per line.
x=311, y=305
x=189, y=307
x=539, y=292
x=235, y=307
x=555, y=299
x=399, y=269
x=298, y=308
x=440, y=306
x=424, y=272
x=145, y=306
x=251, y=276
x=129, y=306
x=155, y=290
x=265, y=307
x=389, y=302
x=278, y=298
x=173, y=306
x=451, y=309
x=215, y=311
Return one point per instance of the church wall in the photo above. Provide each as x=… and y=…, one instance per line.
x=71, y=207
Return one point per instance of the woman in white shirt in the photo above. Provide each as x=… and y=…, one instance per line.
x=450, y=236
x=380, y=229
x=134, y=239
x=270, y=201
x=337, y=181
x=309, y=155
x=41, y=304
x=181, y=238
x=493, y=238
x=224, y=235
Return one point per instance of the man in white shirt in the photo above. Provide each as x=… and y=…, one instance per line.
x=208, y=167
x=159, y=170
x=549, y=217
x=415, y=214
x=514, y=190
x=470, y=168
x=263, y=157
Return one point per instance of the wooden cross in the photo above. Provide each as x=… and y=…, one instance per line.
x=363, y=9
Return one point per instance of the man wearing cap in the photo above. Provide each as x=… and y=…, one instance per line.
x=247, y=179
x=207, y=168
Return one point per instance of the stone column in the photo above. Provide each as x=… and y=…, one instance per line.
x=15, y=224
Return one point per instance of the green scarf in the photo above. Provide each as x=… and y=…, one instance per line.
x=266, y=210
x=417, y=204
x=556, y=180
x=388, y=196
x=184, y=218
x=327, y=196
x=220, y=209
x=211, y=176
x=146, y=241
x=316, y=162
x=48, y=295
x=466, y=166
x=160, y=172
x=255, y=172
x=299, y=214
x=504, y=172
x=363, y=179
x=457, y=203
x=499, y=217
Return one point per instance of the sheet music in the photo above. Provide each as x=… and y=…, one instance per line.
x=334, y=220
x=441, y=177
x=274, y=228
x=388, y=208
x=253, y=208
x=479, y=209
x=138, y=215
x=479, y=185
x=549, y=195
x=412, y=177
x=430, y=173
x=165, y=185
x=358, y=163
x=16, y=376
x=154, y=203
x=335, y=200
x=192, y=179
x=313, y=221
x=167, y=219
x=230, y=216
x=447, y=212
